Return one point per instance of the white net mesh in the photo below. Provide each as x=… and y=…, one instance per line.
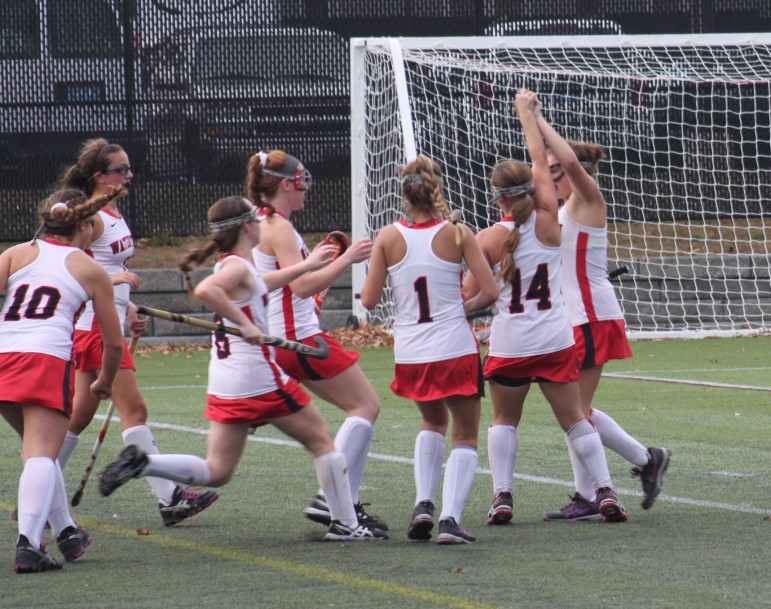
x=688, y=176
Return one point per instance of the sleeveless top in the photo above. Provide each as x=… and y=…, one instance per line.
x=236, y=368
x=112, y=250
x=588, y=293
x=531, y=316
x=42, y=302
x=430, y=324
x=289, y=316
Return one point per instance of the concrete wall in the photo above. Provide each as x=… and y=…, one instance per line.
x=166, y=289
x=658, y=295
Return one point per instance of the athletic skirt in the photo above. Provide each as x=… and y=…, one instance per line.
x=598, y=342
x=557, y=367
x=37, y=378
x=257, y=410
x=436, y=380
x=303, y=368
x=89, y=349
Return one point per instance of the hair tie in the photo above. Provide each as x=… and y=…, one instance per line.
x=456, y=216
x=56, y=206
x=263, y=158
x=412, y=178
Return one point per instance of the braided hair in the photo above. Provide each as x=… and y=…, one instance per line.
x=422, y=188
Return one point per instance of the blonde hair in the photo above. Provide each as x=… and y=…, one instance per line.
x=219, y=241
x=425, y=192
x=505, y=175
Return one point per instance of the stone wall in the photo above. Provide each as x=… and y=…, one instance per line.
x=166, y=289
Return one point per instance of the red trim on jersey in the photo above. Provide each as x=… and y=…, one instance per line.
x=419, y=225
x=583, y=277
x=507, y=219
x=59, y=243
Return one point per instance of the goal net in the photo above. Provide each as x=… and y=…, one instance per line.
x=686, y=125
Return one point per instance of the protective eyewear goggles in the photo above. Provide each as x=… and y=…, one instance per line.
x=121, y=169
x=302, y=179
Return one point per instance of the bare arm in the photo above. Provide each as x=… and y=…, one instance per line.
x=103, y=299
x=317, y=259
x=377, y=272
x=232, y=282
x=582, y=183
x=482, y=288
x=5, y=269
x=545, y=196
x=287, y=253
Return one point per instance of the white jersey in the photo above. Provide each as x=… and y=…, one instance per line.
x=289, y=316
x=236, y=368
x=531, y=316
x=588, y=293
x=112, y=250
x=430, y=324
x=42, y=302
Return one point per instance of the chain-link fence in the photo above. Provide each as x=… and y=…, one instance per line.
x=191, y=88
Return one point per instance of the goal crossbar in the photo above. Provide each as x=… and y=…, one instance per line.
x=684, y=119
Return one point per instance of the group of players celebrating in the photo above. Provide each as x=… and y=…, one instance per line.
x=543, y=265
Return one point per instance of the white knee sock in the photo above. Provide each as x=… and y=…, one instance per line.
x=617, y=440
x=70, y=444
x=332, y=472
x=583, y=482
x=502, y=453
x=458, y=478
x=36, y=491
x=142, y=437
x=429, y=456
x=353, y=439
x=187, y=469
x=587, y=445
x=59, y=515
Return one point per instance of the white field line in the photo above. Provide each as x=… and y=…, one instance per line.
x=658, y=379
x=746, y=509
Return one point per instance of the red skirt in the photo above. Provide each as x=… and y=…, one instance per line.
x=598, y=342
x=304, y=368
x=257, y=410
x=558, y=367
x=442, y=379
x=88, y=351
x=37, y=378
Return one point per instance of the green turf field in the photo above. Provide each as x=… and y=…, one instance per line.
x=705, y=544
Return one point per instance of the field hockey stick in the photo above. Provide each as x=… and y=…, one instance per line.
x=618, y=272
x=320, y=352
x=341, y=241
x=487, y=312
x=99, y=439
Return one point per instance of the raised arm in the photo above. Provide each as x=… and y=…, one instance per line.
x=581, y=182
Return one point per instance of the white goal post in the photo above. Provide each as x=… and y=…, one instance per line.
x=685, y=121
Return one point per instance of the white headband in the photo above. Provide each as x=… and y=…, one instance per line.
x=215, y=227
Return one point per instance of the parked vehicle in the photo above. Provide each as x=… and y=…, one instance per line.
x=63, y=78
x=219, y=94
